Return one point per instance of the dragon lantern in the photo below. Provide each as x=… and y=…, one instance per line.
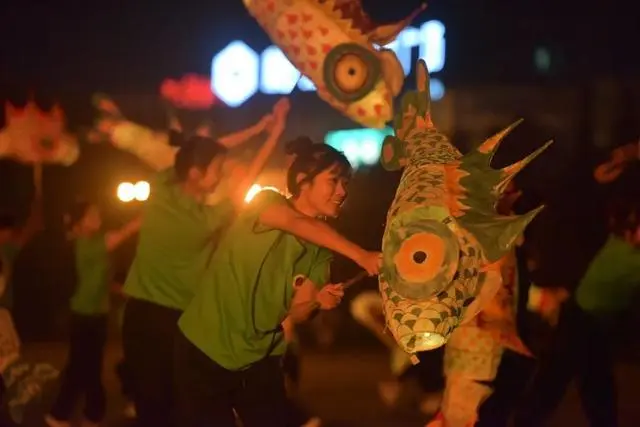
x=332, y=42
x=31, y=135
x=443, y=238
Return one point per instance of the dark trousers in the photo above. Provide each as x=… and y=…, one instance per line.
x=148, y=333
x=124, y=375
x=509, y=388
x=580, y=349
x=207, y=393
x=83, y=373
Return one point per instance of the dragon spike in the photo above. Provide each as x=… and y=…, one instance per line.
x=57, y=113
x=385, y=34
x=511, y=170
x=422, y=78
x=513, y=229
x=491, y=144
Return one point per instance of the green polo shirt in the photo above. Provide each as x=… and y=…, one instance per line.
x=8, y=254
x=612, y=279
x=176, y=241
x=91, y=296
x=247, y=291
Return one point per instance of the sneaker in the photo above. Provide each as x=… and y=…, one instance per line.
x=52, y=422
x=313, y=422
x=389, y=392
x=430, y=403
x=129, y=411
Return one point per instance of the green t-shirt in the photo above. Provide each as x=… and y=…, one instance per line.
x=235, y=315
x=91, y=295
x=612, y=279
x=8, y=254
x=175, y=244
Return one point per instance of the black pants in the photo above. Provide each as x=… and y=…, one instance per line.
x=148, y=333
x=124, y=375
x=207, y=393
x=509, y=388
x=581, y=349
x=83, y=373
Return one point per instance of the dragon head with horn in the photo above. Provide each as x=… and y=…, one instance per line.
x=443, y=239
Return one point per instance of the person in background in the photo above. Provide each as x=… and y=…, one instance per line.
x=582, y=345
x=234, y=333
x=13, y=237
x=89, y=310
x=178, y=237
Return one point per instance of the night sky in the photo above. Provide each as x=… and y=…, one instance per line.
x=70, y=45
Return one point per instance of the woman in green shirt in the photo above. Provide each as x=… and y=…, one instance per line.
x=89, y=310
x=178, y=236
x=228, y=355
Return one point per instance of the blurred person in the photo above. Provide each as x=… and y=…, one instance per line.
x=89, y=311
x=179, y=234
x=586, y=326
x=234, y=333
x=13, y=238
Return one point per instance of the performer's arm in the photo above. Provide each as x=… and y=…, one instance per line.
x=237, y=138
x=281, y=110
x=115, y=238
x=610, y=170
x=283, y=217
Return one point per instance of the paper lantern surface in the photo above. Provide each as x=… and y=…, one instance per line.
x=332, y=42
x=443, y=238
x=31, y=135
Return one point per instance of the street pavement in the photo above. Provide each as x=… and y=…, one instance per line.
x=341, y=387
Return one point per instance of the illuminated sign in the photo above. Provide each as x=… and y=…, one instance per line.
x=360, y=146
x=238, y=72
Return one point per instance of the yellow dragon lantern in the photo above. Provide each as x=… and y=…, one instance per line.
x=33, y=136
x=332, y=42
x=443, y=239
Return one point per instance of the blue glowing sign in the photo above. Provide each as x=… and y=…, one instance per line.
x=238, y=72
x=360, y=146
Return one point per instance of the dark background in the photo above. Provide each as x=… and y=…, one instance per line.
x=588, y=101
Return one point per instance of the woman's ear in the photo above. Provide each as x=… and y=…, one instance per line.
x=299, y=180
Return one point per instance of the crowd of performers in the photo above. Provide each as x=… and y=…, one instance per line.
x=217, y=287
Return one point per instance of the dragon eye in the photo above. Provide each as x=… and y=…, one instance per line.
x=350, y=73
x=421, y=257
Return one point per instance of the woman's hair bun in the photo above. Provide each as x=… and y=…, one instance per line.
x=299, y=146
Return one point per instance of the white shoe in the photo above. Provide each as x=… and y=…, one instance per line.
x=52, y=422
x=389, y=392
x=430, y=403
x=129, y=411
x=313, y=422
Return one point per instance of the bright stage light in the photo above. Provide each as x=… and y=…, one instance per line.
x=142, y=189
x=126, y=192
x=255, y=189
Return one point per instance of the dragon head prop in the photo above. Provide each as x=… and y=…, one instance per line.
x=443, y=238
x=332, y=42
x=31, y=135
